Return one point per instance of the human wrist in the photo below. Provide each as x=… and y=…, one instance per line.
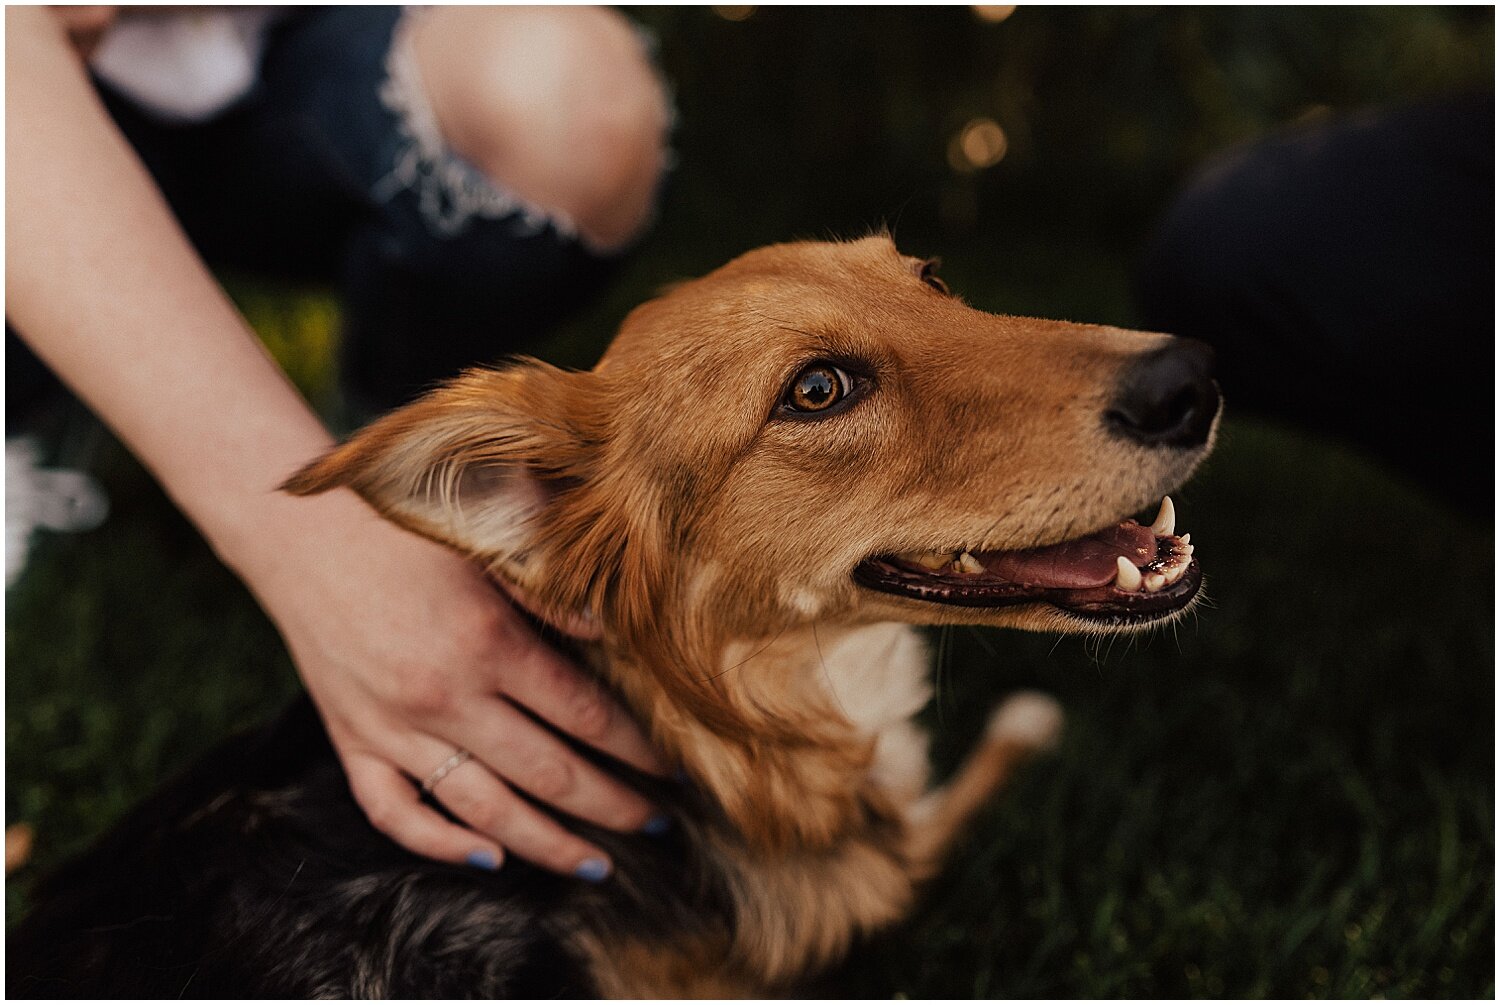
x=274, y=541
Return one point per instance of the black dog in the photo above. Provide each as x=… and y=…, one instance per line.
x=257, y=875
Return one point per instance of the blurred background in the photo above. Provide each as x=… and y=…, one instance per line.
x=1290, y=794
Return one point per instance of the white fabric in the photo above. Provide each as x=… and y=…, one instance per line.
x=189, y=66
x=43, y=497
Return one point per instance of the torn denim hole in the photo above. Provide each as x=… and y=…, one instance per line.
x=450, y=191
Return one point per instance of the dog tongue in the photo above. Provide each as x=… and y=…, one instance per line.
x=1081, y=562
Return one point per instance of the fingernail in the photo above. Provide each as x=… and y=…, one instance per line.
x=595, y=870
x=483, y=859
x=658, y=825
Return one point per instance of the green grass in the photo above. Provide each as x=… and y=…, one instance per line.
x=1290, y=794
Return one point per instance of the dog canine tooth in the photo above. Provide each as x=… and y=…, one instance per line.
x=929, y=560
x=1154, y=582
x=1166, y=518
x=968, y=563
x=1127, y=576
x=1186, y=539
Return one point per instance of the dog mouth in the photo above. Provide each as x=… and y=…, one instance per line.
x=1122, y=575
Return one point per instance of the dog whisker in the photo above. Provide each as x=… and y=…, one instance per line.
x=772, y=641
x=823, y=664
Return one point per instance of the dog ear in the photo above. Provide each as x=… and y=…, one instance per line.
x=522, y=470
x=506, y=466
x=473, y=464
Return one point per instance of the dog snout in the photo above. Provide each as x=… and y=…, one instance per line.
x=1167, y=397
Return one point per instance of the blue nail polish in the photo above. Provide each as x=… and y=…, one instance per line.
x=595, y=870
x=658, y=825
x=483, y=859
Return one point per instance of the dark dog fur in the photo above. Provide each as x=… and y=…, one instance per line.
x=257, y=875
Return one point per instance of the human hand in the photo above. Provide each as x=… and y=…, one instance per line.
x=411, y=654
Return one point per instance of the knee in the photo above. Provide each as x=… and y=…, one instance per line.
x=559, y=105
x=1211, y=255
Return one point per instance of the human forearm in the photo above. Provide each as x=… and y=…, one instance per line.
x=106, y=289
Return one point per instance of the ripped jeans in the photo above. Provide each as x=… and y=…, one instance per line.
x=332, y=170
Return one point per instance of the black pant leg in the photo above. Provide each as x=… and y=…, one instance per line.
x=1345, y=274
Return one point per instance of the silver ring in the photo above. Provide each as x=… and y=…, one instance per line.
x=459, y=756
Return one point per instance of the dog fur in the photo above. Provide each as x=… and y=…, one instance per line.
x=668, y=497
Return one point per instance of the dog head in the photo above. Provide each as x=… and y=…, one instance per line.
x=816, y=432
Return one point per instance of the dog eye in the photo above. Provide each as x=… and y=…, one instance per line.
x=928, y=275
x=817, y=389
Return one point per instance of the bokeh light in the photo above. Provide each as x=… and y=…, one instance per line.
x=994, y=14
x=978, y=145
x=735, y=13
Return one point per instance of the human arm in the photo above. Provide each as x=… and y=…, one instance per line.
x=407, y=649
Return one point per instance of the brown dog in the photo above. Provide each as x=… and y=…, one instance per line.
x=770, y=474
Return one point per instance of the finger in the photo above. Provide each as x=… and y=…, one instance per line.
x=557, y=691
x=580, y=624
x=528, y=757
x=474, y=795
x=394, y=807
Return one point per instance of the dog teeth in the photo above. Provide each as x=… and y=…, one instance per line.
x=1173, y=572
x=1170, y=565
x=936, y=561
x=1166, y=518
x=932, y=561
x=968, y=563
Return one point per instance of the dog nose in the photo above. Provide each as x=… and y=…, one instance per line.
x=1167, y=397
